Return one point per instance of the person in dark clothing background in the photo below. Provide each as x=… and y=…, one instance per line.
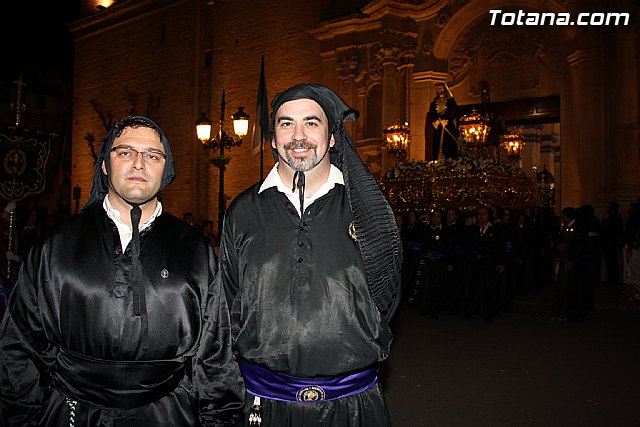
x=410, y=235
x=116, y=317
x=435, y=264
x=487, y=265
x=587, y=217
x=311, y=260
x=612, y=230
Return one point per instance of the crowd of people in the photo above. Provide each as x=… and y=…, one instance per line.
x=476, y=263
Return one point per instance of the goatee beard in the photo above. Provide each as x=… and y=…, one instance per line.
x=301, y=164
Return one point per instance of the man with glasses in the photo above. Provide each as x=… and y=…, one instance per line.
x=116, y=318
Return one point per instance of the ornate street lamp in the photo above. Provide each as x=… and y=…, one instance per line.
x=221, y=141
x=396, y=136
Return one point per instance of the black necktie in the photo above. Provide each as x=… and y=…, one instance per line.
x=139, y=301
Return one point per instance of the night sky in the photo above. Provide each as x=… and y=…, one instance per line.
x=35, y=37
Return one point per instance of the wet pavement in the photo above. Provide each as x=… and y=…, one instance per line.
x=523, y=369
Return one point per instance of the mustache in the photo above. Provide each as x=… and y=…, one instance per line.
x=297, y=144
x=137, y=175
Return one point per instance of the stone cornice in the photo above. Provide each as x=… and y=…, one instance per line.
x=418, y=12
x=476, y=10
x=118, y=15
x=430, y=76
x=371, y=18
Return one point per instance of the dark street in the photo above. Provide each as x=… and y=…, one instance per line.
x=521, y=370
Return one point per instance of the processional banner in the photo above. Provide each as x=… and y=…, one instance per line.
x=23, y=157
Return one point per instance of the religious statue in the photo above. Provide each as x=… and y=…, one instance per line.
x=443, y=116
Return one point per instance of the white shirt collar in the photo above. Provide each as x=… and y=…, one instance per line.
x=123, y=229
x=273, y=179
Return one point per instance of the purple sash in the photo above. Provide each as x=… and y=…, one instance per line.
x=265, y=383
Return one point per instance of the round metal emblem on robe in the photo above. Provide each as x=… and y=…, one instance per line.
x=164, y=273
x=310, y=394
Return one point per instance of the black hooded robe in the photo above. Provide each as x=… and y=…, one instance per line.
x=70, y=329
x=301, y=304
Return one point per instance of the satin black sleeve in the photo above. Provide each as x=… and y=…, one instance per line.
x=217, y=377
x=26, y=355
x=229, y=261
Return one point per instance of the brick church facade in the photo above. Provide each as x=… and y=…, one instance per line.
x=572, y=90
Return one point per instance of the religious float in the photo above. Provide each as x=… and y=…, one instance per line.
x=485, y=172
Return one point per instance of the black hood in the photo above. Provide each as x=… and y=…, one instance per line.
x=100, y=182
x=336, y=110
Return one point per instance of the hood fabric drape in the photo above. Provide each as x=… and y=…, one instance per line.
x=374, y=222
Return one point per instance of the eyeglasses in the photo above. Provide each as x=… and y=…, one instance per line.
x=129, y=154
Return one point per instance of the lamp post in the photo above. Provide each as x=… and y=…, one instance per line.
x=221, y=141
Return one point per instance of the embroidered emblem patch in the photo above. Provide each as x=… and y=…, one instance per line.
x=310, y=394
x=352, y=232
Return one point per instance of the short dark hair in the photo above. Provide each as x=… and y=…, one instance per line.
x=134, y=122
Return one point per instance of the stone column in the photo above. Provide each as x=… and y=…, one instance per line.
x=390, y=104
x=583, y=148
x=424, y=90
x=623, y=143
x=405, y=70
x=346, y=67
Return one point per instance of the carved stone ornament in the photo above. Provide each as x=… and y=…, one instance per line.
x=487, y=45
x=374, y=73
x=346, y=70
x=427, y=48
x=407, y=56
x=443, y=16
